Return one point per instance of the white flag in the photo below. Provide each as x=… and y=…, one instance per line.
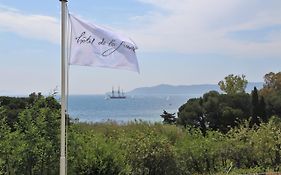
x=92, y=45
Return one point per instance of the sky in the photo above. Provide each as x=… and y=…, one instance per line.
x=180, y=42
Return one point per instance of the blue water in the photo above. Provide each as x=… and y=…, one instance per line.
x=95, y=108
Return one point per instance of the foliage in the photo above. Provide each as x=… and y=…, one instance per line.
x=271, y=93
x=9, y=141
x=168, y=117
x=233, y=84
x=273, y=103
x=13, y=106
x=91, y=153
x=215, y=111
x=255, y=107
x=31, y=145
x=213, y=134
x=144, y=148
x=134, y=148
x=272, y=81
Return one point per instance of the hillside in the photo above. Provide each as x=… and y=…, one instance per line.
x=185, y=89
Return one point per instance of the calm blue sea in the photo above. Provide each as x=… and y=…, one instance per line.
x=96, y=108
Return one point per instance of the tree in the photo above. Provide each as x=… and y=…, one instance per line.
x=215, y=111
x=168, y=118
x=189, y=113
x=11, y=145
x=13, y=106
x=233, y=84
x=39, y=128
x=273, y=80
x=29, y=135
x=273, y=103
x=271, y=92
x=262, y=110
x=255, y=107
x=272, y=83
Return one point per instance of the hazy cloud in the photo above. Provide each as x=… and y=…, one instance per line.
x=30, y=26
x=204, y=26
x=239, y=27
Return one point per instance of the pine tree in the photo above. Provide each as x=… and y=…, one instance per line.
x=262, y=110
x=168, y=118
x=255, y=107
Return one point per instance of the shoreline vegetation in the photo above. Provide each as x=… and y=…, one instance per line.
x=216, y=134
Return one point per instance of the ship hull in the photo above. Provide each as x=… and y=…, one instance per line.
x=117, y=97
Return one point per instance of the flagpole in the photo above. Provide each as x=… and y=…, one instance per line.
x=63, y=87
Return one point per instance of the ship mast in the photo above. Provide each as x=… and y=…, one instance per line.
x=112, y=91
x=119, y=91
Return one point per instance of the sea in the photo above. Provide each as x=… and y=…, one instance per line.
x=100, y=108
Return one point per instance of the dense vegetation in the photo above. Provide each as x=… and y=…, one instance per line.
x=215, y=134
x=29, y=139
x=221, y=112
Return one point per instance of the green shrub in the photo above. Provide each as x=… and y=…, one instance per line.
x=92, y=153
x=149, y=153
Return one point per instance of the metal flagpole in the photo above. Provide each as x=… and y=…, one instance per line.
x=63, y=86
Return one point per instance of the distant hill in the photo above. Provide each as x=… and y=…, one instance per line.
x=185, y=89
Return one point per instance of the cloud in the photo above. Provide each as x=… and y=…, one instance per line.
x=204, y=26
x=30, y=26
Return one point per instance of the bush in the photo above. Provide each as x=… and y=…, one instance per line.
x=91, y=153
x=149, y=153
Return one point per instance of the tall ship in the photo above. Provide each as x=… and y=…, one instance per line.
x=117, y=95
